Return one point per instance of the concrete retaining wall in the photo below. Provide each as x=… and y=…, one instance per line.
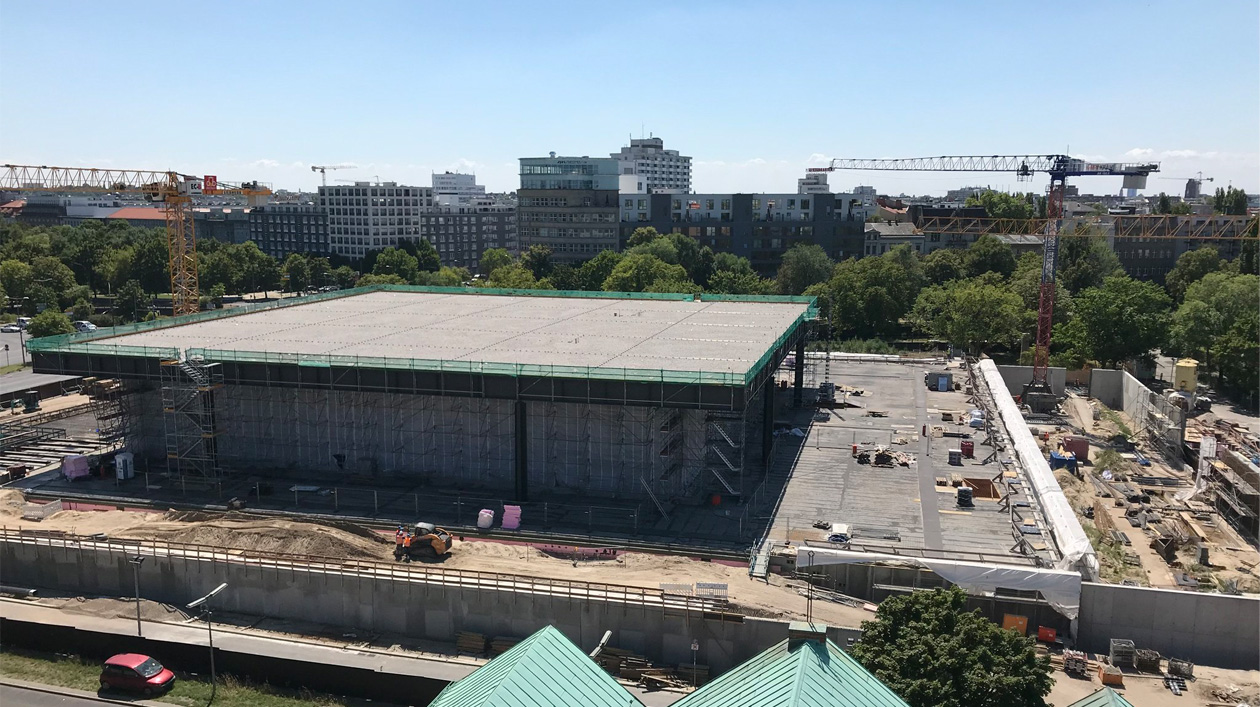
x=1212, y=629
x=1016, y=377
x=435, y=612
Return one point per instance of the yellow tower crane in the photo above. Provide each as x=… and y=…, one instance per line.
x=174, y=190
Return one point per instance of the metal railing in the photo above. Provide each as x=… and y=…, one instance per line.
x=372, y=569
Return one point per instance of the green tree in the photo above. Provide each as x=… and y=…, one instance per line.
x=49, y=322
x=537, y=260
x=321, y=271
x=1002, y=205
x=638, y=271
x=445, y=277
x=427, y=258
x=1191, y=266
x=81, y=310
x=493, y=259
x=15, y=277
x=216, y=293
x=803, y=265
x=131, y=302
x=728, y=282
x=514, y=276
x=989, y=254
x=259, y=272
x=593, y=273
x=662, y=248
x=297, y=273
x=1165, y=204
x=563, y=277
x=1213, y=322
x=393, y=261
x=729, y=262
x=675, y=286
x=387, y=279
x=1230, y=201
x=1026, y=282
x=1122, y=320
x=345, y=277
x=944, y=264
x=973, y=314
x=641, y=235
x=932, y=652
x=1180, y=208
x=151, y=264
x=1085, y=262
x=867, y=298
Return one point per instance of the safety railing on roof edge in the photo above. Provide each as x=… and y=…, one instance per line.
x=368, y=568
x=62, y=340
x=98, y=349
x=653, y=375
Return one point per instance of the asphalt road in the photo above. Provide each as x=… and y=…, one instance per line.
x=10, y=695
x=14, y=354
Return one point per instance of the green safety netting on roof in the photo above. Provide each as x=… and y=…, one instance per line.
x=92, y=343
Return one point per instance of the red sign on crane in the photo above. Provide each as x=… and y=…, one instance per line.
x=210, y=183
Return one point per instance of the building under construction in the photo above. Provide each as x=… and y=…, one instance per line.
x=533, y=395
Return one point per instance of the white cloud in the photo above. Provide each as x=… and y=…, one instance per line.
x=1139, y=152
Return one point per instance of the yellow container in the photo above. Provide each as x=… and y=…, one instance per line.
x=1185, y=375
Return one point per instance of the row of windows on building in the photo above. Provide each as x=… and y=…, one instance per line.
x=571, y=217
x=373, y=191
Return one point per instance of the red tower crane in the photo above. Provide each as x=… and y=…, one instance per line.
x=1037, y=394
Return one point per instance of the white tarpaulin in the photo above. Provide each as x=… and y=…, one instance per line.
x=1074, y=546
x=1062, y=588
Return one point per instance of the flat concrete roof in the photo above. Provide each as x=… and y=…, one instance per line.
x=674, y=335
x=22, y=381
x=900, y=508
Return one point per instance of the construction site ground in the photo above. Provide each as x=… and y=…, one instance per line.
x=1232, y=558
x=778, y=597
x=903, y=507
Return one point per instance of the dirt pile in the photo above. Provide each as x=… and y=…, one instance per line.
x=272, y=535
x=119, y=608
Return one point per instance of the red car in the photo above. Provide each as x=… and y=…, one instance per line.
x=134, y=672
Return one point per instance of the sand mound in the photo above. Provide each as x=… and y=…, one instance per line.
x=123, y=609
x=265, y=535
x=11, y=503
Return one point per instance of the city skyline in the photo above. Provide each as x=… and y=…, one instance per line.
x=406, y=91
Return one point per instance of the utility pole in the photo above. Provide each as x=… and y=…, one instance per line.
x=203, y=602
x=135, y=563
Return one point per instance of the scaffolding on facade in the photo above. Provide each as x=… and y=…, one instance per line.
x=110, y=406
x=188, y=407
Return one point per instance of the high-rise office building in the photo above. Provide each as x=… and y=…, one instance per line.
x=568, y=204
x=654, y=169
x=371, y=216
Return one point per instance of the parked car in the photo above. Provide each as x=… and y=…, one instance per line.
x=135, y=672
x=11, y=328
x=23, y=322
x=84, y=326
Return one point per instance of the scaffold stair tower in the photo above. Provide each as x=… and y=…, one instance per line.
x=109, y=407
x=188, y=407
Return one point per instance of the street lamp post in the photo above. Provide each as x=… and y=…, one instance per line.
x=135, y=571
x=695, y=646
x=204, y=604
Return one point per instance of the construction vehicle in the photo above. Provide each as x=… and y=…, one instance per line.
x=428, y=542
x=174, y=190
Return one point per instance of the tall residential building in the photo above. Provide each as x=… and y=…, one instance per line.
x=760, y=227
x=568, y=204
x=372, y=216
x=457, y=183
x=655, y=169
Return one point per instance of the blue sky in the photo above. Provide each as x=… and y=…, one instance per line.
x=754, y=92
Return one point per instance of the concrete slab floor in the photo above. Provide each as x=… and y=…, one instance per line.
x=898, y=507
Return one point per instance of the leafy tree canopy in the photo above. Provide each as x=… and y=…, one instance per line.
x=1191, y=266
x=49, y=322
x=639, y=271
x=493, y=259
x=934, y=653
x=1002, y=205
x=803, y=265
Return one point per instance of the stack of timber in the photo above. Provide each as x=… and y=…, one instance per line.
x=502, y=644
x=469, y=642
x=631, y=666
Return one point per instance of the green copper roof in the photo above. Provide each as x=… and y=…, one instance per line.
x=796, y=673
x=540, y=671
x=1106, y=697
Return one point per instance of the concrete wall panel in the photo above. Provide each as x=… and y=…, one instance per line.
x=1213, y=629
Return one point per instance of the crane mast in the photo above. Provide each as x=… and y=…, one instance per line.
x=174, y=190
x=1037, y=394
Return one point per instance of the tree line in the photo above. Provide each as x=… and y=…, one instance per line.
x=982, y=298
